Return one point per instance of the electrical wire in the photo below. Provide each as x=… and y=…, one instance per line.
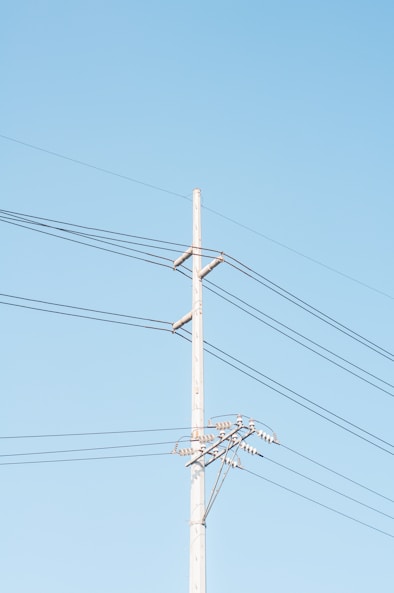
x=321, y=465
x=96, y=433
x=248, y=374
x=299, y=253
x=336, y=472
x=90, y=245
x=89, y=228
x=85, y=317
x=82, y=459
x=298, y=341
x=59, y=451
x=316, y=502
x=325, y=486
x=95, y=167
x=260, y=279
x=208, y=209
x=297, y=394
x=32, y=219
x=12, y=296
x=90, y=236
x=223, y=360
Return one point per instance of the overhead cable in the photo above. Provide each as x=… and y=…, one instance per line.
x=208, y=209
x=317, y=502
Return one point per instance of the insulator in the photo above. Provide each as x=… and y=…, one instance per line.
x=231, y=462
x=223, y=425
x=248, y=448
x=184, y=452
x=265, y=436
x=206, y=438
x=242, y=444
x=239, y=420
x=251, y=424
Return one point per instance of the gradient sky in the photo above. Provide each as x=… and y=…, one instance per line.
x=282, y=114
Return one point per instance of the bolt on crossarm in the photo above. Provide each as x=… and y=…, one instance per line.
x=197, y=577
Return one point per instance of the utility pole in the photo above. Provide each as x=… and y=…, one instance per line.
x=197, y=574
x=197, y=493
x=231, y=436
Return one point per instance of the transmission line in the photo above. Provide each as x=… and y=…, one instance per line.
x=316, y=502
x=86, y=449
x=96, y=433
x=260, y=279
x=336, y=473
x=276, y=390
x=325, y=486
x=38, y=461
x=208, y=209
x=296, y=340
x=80, y=316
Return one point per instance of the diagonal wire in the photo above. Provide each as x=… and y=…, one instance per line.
x=298, y=341
x=316, y=502
x=325, y=486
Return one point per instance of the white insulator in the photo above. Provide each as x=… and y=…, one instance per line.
x=271, y=440
x=223, y=425
x=243, y=445
x=239, y=420
x=251, y=424
x=187, y=451
x=229, y=461
x=206, y=438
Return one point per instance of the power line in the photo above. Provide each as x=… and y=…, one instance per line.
x=59, y=451
x=95, y=433
x=82, y=459
x=276, y=390
x=223, y=360
x=296, y=393
x=316, y=502
x=30, y=217
x=299, y=253
x=99, y=239
x=208, y=209
x=336, y=473
x=90, y=245
x=298, y=341
x=325, y=486
x=310, y=309
x=326, y=319
x=321, y=465
x=95, y=167
x=85, y=316
x=12, y=296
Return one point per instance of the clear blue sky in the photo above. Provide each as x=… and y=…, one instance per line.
x=282, y=114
